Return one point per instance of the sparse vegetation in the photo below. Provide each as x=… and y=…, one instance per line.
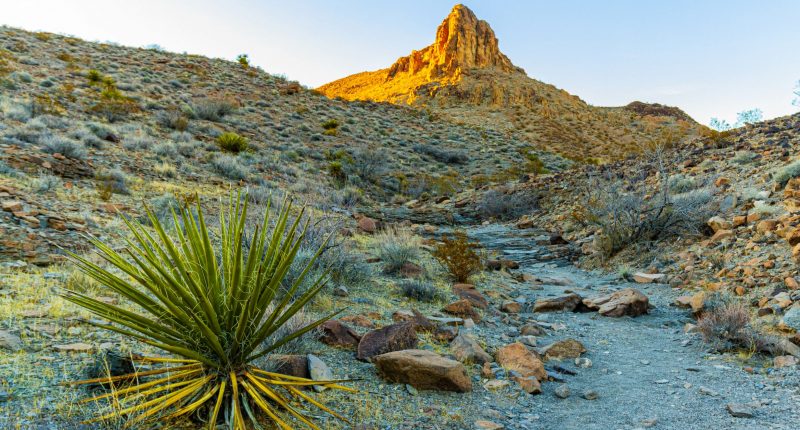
x=507, y=206
x=419, y=290
x=459, y=256
x=396, y=247
x=232, y=142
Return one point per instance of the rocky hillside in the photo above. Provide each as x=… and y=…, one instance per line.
x=464, y=76
x=77, y=117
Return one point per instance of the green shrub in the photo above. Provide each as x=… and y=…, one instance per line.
x=198, y=296
x=419, y=290
x=114, y=180
x=396, y=247
x=784, y=174
x=232, y=142
x=243, y=60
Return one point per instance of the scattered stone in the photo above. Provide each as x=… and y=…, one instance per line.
x=629, y=302
x=367, y=225
x=562, y=391
x=583, y=362
x=359, y=320
x=74, y=347
x=334, y=333
x=462, y=309
x=590, y=395
x=395, y=337
x=718, y=223
x=469, y=292
x=341, y=291
x=784, y=361
x=648, y=278
x=488, y=425
x=529, y=384
x=319, y=371
x=511, y=307
x=740, y=410
x=424, y=370
x=10, y=341
x=518, y=358
x=496, y=384
x=532, y=330
x=465, y=348
x=12, y=206
x=707, y=392
x=569, y=348
x=567, y=303
x=291, y=365
x=791, y=318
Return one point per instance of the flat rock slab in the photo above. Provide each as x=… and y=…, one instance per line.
x=424, y=370
x=519, y=358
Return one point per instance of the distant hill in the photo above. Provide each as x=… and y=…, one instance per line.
x=463, y=75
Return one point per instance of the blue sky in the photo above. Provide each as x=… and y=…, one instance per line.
x=709, y=57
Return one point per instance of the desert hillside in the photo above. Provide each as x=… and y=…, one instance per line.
x=464, y=76
x=193, y=243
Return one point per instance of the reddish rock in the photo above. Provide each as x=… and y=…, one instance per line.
x=334, y=333
x=629, y=302
x=469, y=292
x=367, y=225
x=518, y=358
x=359, y=320
x=410, y=270
x=12, y=206
x=395, y=337
x=568, y=348
x=424, y=370
x=511, y=307
x=529, y=384
x=291, y=365
x=462, y=309
x=567, y=303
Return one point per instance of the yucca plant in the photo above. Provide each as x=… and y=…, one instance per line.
x=215, y=309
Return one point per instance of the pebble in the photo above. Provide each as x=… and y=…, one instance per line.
x=590, y=395
x=562, y=391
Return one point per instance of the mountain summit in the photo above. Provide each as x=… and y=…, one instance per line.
x=463, y=76
x=462, y=42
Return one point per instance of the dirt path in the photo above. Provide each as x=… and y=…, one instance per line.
x=646, y=371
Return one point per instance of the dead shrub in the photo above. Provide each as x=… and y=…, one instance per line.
x=459, y=256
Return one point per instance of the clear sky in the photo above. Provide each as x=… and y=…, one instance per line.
x=709, y=57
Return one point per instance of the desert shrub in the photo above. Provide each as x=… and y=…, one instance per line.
x=726, y=325
x=336, y=170
x=507, y=206
x=9, y=171
x=165, y=169
x=459, y=256
x=52, y=144
x=102, y=131
x=642, y=210
x=138, y=143
x=243, y=60
x=681, y=184
x=449, y=156
x=368, y=164
x=46, y=183
x=419, y=290
x=231, y=142
x=347, y=197
x=114, y=180
x=17, y=110
x=173, y=119
x=744, y=157
x=212, y=109
x=787, y=172
x=330, y=124
x=187, y=304
x=229, y=167
x=396, y=247
x=166, y=149
x=112, y=104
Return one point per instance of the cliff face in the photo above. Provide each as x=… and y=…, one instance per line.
x=462, y=42
x=464, y=76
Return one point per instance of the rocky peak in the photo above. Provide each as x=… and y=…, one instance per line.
x=462, y=42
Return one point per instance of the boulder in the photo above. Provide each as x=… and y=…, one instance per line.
x=469, y=292
x=465, y=348
x=334, y=333
x=367, y=225
x=567, y=303
x=718, y=223
x=424, y=370
x=519, y=358
x=630, y=302
x=511, y=307
x=568, y=348
x=529, y=384
x=394, y=337
x=462, y=309
x=10, y=341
